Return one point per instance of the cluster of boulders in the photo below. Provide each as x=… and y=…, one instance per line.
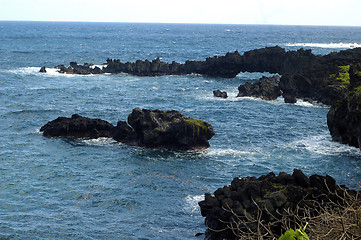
x=148, y=128
x=237, y=207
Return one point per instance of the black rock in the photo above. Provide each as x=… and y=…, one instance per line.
x=42, y=70
x=218, y=93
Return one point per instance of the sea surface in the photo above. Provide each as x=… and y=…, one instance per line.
x=56, y=188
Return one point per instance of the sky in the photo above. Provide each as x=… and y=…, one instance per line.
x=283, y=12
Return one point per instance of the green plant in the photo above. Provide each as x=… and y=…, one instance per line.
x=343, y=75
x=291, y=234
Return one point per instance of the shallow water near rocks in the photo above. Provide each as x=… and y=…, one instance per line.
x=58, y=188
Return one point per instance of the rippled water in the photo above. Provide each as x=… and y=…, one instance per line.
x=56, y=188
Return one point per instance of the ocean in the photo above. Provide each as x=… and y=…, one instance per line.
x=56, y=188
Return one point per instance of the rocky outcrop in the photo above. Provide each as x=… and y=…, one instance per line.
x=148, y=128
x=236, y=207
x=304, y=75
x=266, y=88
x=169, y=129
x=344, y=116
x=220, y=94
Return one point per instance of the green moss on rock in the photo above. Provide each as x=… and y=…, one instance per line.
x=197, y=126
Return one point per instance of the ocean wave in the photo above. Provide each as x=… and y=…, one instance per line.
x=49, y=72
x=192, y=203
x=325, y=45
x=322, y=144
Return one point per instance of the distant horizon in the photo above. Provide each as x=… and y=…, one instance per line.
x=184, y=23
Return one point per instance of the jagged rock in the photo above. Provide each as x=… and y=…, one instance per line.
x=42, y=70
x=149, y=128
x=274, y=195
x=266, y=88
x=170, y=129
x=218, y=93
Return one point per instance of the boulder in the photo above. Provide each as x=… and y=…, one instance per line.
x=148, y=128
x=169, y=129
x=218, y=93
x=42, y=70
x=234, y=208
x=266, y=88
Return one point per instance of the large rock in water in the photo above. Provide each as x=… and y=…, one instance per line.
x=237, y=207
x=344, y=116
x=169, y=129
x=148, y=128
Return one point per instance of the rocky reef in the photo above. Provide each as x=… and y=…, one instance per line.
x=250, y=203
x=148, y=128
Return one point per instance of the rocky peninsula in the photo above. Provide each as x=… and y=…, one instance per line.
x=147, y=128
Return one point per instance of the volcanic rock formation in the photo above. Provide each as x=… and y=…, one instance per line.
x=148, y=128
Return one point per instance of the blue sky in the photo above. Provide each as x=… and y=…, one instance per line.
x=286, y=12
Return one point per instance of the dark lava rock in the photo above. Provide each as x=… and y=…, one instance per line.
x=289, y=98
x=169, y=129
x=77, y=127
x=42, y=70
x=344, y=116
x=149, y=128
x=266, y=88
x=218, y=93
x=234, y=206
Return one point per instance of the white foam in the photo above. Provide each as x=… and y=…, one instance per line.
x=322, y=144
x=226, y=152
x=103, y=141
x=325, y=45
x=49, y=72
x=192, y=203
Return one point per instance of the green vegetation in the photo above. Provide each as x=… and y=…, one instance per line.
x=291, y=234
x=197, y=126
x=353, y=91
x=343, y=75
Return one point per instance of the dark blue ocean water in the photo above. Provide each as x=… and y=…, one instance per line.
x=99, y=189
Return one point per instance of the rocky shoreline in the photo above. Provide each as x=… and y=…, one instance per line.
x=147, y=128
x=262, y=205
x=303, y=74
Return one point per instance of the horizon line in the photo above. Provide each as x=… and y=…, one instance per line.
x=190, y=23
